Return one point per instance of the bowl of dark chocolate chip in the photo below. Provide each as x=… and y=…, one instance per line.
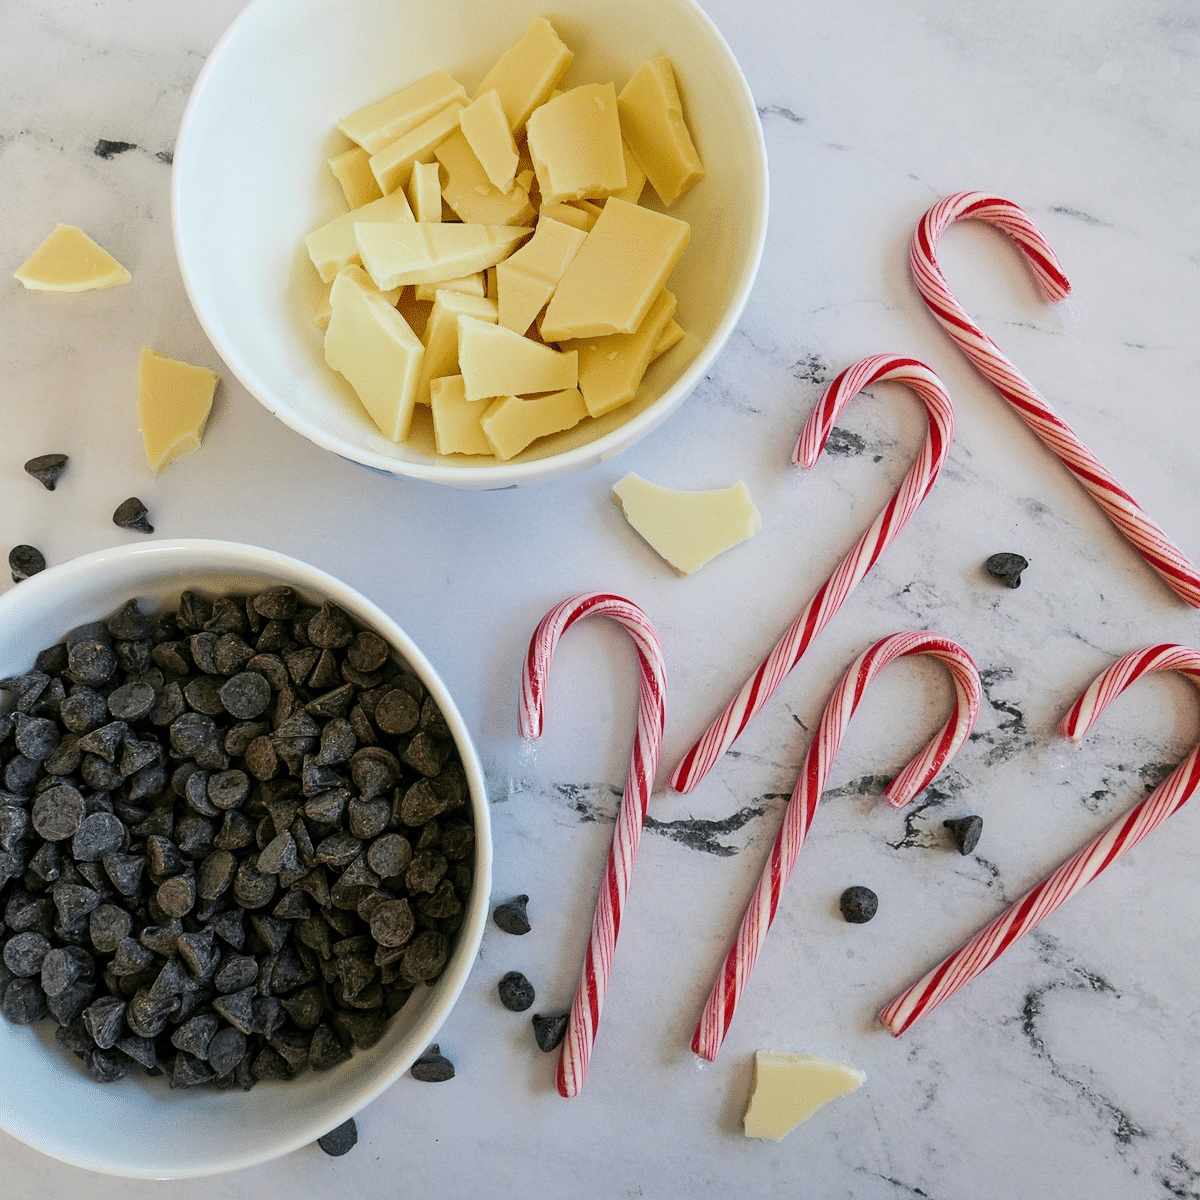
x=245, y=857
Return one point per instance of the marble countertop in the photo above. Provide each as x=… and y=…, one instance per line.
x=1067, y=1068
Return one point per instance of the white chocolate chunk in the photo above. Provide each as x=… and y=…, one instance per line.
x=619, y=270
x=425, y=191
x=485, y=127
x=473, y=285
x=527, y=278
x=332, y=246
x=380, y=124
x=671, y=335
x=401, y=253
x=69, y=261
x=656, y=132
x=494, y=361
x=174, y=400
x=392, y=166
x=322, y=314
x=789, y=1088
x=472, y=195
x=575, y=144
x=634, y=175
x=456, y=427
x=611, y=368
x=687, y=529
x=514, y=422
x=352, y=170
x=570, y=214
x=441, y=335
x=528, y=72
x=371, y=344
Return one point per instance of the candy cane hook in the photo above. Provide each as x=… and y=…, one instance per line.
x=739, y=962
x=832, y=594
x=1122, y=510
x=643, y=765
x=1123, y=834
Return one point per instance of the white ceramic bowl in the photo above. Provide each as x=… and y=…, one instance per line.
x=138, y=1126
x=250, y=181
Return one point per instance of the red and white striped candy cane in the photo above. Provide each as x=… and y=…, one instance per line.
x=639, y=782
x=739, y=962
x=1142, y=533
x=1039, y=902
x=832, y=594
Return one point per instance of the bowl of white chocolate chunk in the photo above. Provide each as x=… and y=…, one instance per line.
x=473, y=244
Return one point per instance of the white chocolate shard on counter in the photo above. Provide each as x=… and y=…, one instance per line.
x=174, y=401
x=380, y=124
x=624, y=261
x=789, y=1088
x=687, y=529
x=528, y=72
x=512, y=423
x=371, y=344
x=333, y=246
x=70, y=261
x=656, y=132
x=400, y=253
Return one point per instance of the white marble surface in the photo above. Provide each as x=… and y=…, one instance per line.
x=1068, y=1068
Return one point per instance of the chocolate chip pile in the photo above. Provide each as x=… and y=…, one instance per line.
x=233, y=839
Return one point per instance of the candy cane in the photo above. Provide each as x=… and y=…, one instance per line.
x=643, y=765
x=739, y=962
x=832, y=594
x=1079, y=870
x=1143, y=534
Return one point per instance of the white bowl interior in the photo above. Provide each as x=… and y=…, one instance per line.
x=138, y=1126
x=250, y=181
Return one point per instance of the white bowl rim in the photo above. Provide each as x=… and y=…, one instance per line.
x=201, y=552
x=502, y=475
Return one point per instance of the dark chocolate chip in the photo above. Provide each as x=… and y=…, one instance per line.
x=1007, y=568
x=132, y=514
x=516, y=992
x=858, y=904
x=24, y=561
x=548, y=1032
x=46, y=468
x=433, y=1066
x=965, y=831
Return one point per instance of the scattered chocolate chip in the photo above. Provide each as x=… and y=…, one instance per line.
x=965, y=831
x=132, y=514
x=858, y=904
x=516, y=992
x=433, y=1066
x=548, y=1032
x=24, y=561
x=512, y=916
x=341, y=1140
x=46, y=468
x=1007, y=568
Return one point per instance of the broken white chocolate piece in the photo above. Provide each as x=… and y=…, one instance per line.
x=352, y=170
x=789, y=1088
x=472, y=195
x=621, y=267
x=332, y=246
x=69, y=261
x=401, y=253
x=494, y=361
x=687, y=529
x=527, y=278
x=575, y=143
x=393, y=165
x=380, y=124
x=456, y=428
x=371, y=344
x=486, y=130
x=528, y=72
x=174, y=400
x=655, y=131
x=513, y=423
